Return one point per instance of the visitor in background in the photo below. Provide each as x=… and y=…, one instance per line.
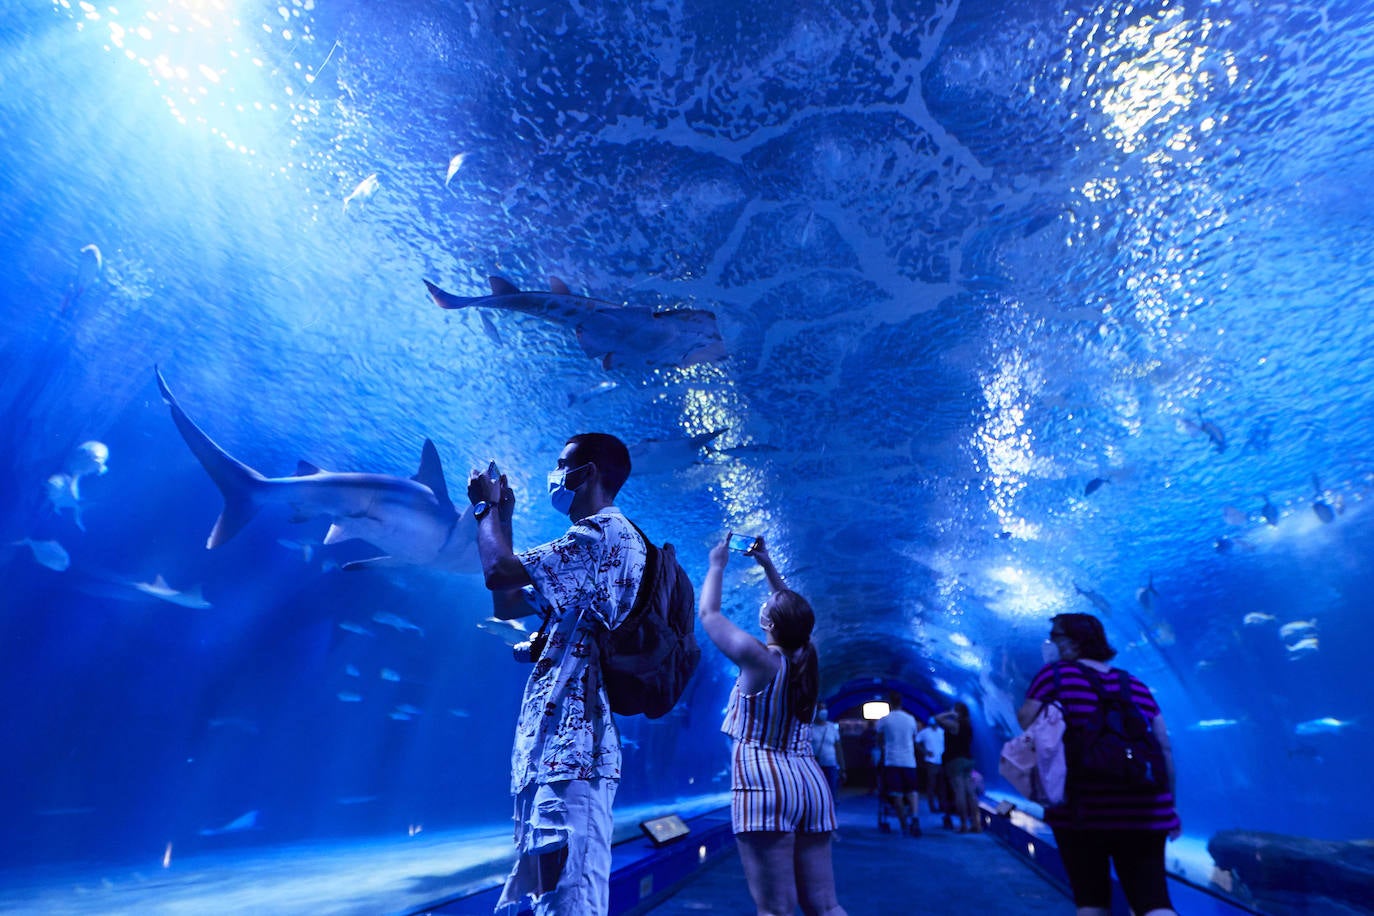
x=1101, y=825
x=897, y=732
x=930, y=748
x=781, y=809
x=959, y=765
x=565, y=766
x=870, y=745
x=825, y=743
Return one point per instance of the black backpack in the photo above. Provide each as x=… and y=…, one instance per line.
x=647, y=661
x=1116, y=746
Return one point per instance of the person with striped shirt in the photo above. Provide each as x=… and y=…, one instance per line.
x=781, y=808
x=1098, y=825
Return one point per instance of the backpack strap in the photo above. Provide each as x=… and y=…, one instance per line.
x=650, y=549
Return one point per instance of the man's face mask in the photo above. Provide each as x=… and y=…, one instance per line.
x=559, y=494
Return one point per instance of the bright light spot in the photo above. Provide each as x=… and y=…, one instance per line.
x=968, y=659
x=1024, y=594
x=876, y=709
x=944, y=686
x=959, y=639
x=167, y=857
x=1030, y=849
x=1161, y=71
x=701, y=853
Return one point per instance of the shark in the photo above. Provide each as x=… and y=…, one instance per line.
x=620, y=336
x=412, y=520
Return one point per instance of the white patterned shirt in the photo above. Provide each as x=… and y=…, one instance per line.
x=589, y=577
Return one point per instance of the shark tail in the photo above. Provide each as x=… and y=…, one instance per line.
x=445, y=299
x=237, y=482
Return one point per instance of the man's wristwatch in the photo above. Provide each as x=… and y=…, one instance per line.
x=480, y=509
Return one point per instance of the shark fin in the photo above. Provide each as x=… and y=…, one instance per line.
x=558, y=286
x=500, y=286
x=237, y=482
x=371, y=563
x=239, y=510
x=306, y=469
x=431, y=473
x=335, y=534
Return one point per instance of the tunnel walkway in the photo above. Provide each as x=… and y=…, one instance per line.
x=942, y=872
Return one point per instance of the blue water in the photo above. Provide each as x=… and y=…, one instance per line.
x=965, y=257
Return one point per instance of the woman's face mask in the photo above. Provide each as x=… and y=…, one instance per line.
x=1049, y=651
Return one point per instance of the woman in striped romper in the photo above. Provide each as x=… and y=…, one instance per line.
x=782, y=810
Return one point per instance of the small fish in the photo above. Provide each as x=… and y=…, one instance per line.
x=1269, y=511
x=1296, y=627
x=1094, y=485
x=1234, y=516
x=1147, y=594
x=94, y=252
x=409, y=709
x=87, y=272
x=400, y=624
x=64, y=812
x=47, y=553
x=89, y=458
x=350, y=627
x=192, y=598
x=364, y=191
x=509, y=631
x=236, y=723
x=1003, y=535
x=1320, y=506
x=459, y=713
x=348, y=696
x=1326, y=725
x=398, y=716
x=454, y=165
x=247, y=821
x=355, y=800
x=388, y=674
x=1303, y=647
x=1102, y=604
x=352, y=671
x=1208, y=725
x=600, y=388
x=1215, y=433
x=1305, y=751
x=1257, y=618
x=63, y=494
x=306, y=548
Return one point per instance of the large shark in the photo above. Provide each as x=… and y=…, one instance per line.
x=620, y=336
x=412, y=520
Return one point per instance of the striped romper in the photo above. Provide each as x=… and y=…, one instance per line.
x=777, y=784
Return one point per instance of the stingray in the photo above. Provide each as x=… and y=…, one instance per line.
x=619, y=336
